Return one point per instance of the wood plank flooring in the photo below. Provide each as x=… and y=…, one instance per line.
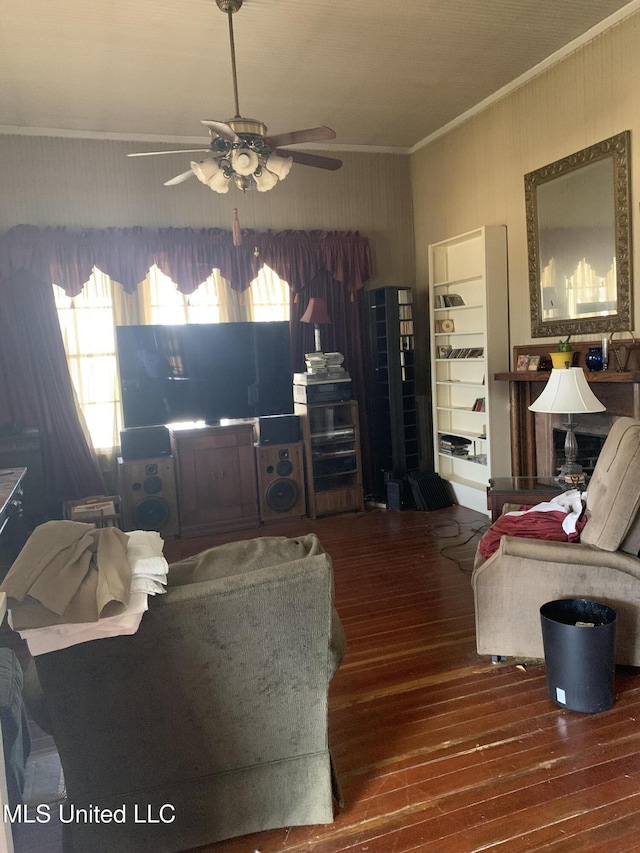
x=437, y=749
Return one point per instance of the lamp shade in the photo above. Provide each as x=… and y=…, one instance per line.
x=316, y=312
x=280, y=166
x=209, y=172
x=244, y=161
x=265, y=180
x=567, y=392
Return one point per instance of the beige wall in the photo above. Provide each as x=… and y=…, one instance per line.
x=92, y=184
x=474, y=175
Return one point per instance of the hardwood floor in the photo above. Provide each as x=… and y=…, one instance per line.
x=437, y=749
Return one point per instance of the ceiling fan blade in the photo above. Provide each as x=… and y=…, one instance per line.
x=312, y=134
x=222, y=129
x=179, y=179
x=307, y=159
x=177, y=151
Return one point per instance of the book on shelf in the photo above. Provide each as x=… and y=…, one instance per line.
x=455, y=445
x=454, y=439
x=452, y=300
x=479, y=405
x=465, y=352
x=452, y=450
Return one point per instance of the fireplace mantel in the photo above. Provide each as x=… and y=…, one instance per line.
x=618, y=391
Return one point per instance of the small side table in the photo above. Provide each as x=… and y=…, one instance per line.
x=527, y=491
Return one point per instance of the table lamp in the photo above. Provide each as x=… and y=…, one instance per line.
x=316, y=313
x=567, y=393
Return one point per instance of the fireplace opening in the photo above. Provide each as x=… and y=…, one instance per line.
x=589, y=447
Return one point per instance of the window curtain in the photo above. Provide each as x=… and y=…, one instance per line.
x=186, y=255
x=336, y=263
x=36, y=389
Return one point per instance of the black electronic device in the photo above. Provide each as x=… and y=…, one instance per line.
x=204, y=371
x=145, y=442
x=323, y=392
x=278, y=429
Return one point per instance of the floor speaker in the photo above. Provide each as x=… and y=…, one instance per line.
x=148, y=494
x=280, y=481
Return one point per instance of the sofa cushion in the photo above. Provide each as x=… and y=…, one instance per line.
x=613, y=497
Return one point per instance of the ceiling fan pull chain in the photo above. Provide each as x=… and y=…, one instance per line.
x=235, y=229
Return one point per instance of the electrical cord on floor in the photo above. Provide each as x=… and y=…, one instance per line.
x=474, y=532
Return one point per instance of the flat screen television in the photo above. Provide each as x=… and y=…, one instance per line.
x=204, y=371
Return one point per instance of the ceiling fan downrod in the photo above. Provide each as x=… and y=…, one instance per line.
x=229, y=7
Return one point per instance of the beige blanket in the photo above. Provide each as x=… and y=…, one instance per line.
x=68, y=571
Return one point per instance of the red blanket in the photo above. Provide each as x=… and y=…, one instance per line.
x=531, y=525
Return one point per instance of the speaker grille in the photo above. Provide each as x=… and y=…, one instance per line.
x=151, y=513
x=152, y=485
x=284, y=468
x=282, y=495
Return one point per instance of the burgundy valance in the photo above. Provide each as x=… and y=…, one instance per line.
x=186, y=255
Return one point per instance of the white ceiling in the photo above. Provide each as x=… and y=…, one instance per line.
x=382, y=74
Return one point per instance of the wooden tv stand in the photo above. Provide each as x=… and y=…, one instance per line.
x=216, y=478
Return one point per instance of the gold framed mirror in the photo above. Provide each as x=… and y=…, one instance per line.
x=579, y=241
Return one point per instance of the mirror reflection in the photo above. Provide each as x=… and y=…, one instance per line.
x=578, y=236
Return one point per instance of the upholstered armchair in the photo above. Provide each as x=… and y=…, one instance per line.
x=512, y=584
x=211, y=720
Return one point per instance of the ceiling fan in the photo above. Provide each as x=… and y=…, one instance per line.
x=240, y=147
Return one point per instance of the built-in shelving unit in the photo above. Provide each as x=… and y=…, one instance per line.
x=469, y=344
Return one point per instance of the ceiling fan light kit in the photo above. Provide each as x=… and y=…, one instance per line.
x=240, y=148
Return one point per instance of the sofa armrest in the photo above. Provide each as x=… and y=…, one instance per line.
x=569, y=553
x=523, y=574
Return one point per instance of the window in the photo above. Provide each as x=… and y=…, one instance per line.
x=269, y=296
x=88, y=332
x=166, y=305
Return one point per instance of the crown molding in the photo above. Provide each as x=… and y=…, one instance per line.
x=540, y=68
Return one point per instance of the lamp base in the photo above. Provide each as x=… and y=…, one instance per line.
x=575, y=479
x=571, y=472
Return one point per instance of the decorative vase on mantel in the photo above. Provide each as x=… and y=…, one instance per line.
x=563, y=357
x=593, y=359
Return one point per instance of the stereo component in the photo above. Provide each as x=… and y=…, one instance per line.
x=145, y=442
x=338, y=391
x=278, y=429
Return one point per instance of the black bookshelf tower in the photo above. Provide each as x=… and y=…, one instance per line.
x=392, y=411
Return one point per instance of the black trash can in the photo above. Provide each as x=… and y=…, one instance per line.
x=579, y=639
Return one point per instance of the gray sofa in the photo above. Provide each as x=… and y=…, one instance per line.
x=212, y=718
x=16, y=738
x=510, y=587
